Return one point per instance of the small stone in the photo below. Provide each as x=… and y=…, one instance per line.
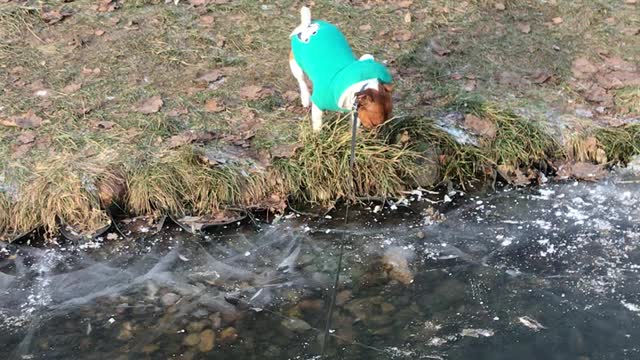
x=387, y=308
x=192, y=339
x=207, y=340
x=216, y=320
x=169, y=299
x=195, y=327
x=296, y=325
x=125, y=332
x=311, y=305
x=149, y=348
x=343, y=296
x=420, y=235
x=228, y=335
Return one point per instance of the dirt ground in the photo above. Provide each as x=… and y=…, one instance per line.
x=99, y=97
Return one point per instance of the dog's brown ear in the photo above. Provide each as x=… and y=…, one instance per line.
x=388, y=87
x=364, y=97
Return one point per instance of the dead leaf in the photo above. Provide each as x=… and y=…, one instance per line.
x=71, y=88
x=178, y=111
x=631, y=31
x=598, y=94
x=99, y=32
x=470, y=85
x=290, y=95
x=107, y=5
x=189, y=137
x=618, y=64
x=540, y=76
x=479, y=126
x=207, y=20
x=402, y=35
x=514, y=176
x=500, y=6
x=284, y=150
x=404, y=4
x=365, y=27
x=51, y=17
x=210, y=76
x=26, y=120
x=438, y=49
x=582, y=171
x=583, y=68
x=197, y=2
x=557, y=20
x=407, y=17
x=631, y=2
x=150, y=105
x=523, y=28
x=214, y=106
x=254, y=92
x=26, y=137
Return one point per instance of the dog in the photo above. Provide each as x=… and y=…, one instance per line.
x=340, y=81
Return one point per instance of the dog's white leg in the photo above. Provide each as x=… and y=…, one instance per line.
x=316, y=117
x=297, y=72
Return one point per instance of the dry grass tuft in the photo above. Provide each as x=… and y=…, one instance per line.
x=59, y=189
x=320, y=172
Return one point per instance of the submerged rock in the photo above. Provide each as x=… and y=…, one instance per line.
x=228, y=335
x=296, y=325
x=192, y=339
x=395, y=263
x=169, y=299
x=207, y=340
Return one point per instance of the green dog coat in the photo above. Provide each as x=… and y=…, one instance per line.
x=328, y=60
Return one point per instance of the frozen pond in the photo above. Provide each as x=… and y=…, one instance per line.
x=543, y=273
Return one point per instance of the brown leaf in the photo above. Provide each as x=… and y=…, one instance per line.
x=402, y=35
x=178, y=111
x=107, y=5
x=207, y=20
x=197, y=2
x=500, y=6
x=211, y=76
x=53, y=16
x=470, y=85
x=557, y=20
x=582, y=171
x=618, y=64
x=365, y=27
x=631, y=31
x=26, y=120
x=99, y=32
x=598, y=94
x=150, y=105
x=523, y=28
x=214, y=106
x=71, y=88
x=290, y=95
x=479, y=126
x=514, y=176
x=253, y=92
x=404, y=3
x=189, y=137
x=540, y=76
x=285, y=150
x=26, y=137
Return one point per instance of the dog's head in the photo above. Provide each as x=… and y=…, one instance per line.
x=375, y=106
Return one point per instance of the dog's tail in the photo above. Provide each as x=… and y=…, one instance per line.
x=305, y=16
x=305, y=21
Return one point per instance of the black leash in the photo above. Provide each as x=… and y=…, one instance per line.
x=352, y=158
